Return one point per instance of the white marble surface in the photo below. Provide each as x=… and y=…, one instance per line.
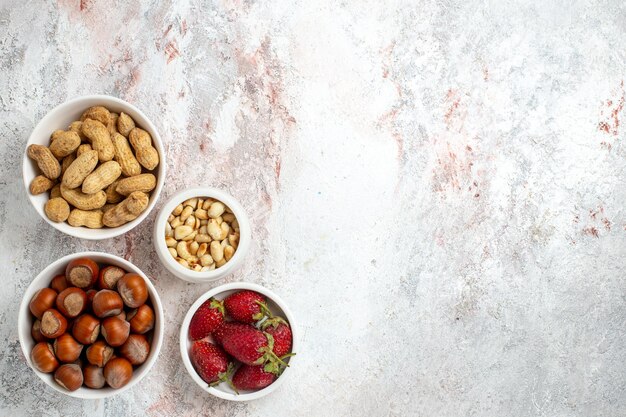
x=436, y=189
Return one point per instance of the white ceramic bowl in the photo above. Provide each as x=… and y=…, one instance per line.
x=187, y=274
x=59, y=118
x=42, y=280
x=276, y=305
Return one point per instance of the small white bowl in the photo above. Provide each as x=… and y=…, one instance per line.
x=276, y=305
x=25, y=321
x=60, y=118
x=190, y=275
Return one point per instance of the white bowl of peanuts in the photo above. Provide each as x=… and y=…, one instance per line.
x=202, y=234
x=81, y=154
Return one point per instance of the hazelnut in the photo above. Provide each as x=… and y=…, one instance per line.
x=42, y=300
x=82, y=272
x=69, y=376
x=99, y=353
x=118, y=372
x=133, y=290
x=135, y=349
x=93, y=376
x=107, y=303
x=115, y=331
x=141, y=319
x=71, y=302
x=53, y=324
x=109, y=276
x=90, y=295
x=86, y=329
x=35, y=332
x=58, y=283
x=66, y=348
x=43, y=358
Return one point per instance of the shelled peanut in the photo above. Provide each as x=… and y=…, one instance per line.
x=97, y=172
x=202, y=234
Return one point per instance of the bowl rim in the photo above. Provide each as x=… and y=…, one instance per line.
x=218, y=273
x=183, y=341
x=83, y=392
x=161, y=170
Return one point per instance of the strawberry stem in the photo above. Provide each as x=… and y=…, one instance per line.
x=224, y=376
x=273, y=358
x=217, y=304
x=232, y=386
x=273, y=321
x=265, y=311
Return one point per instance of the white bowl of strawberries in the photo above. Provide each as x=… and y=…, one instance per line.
x=238, y=341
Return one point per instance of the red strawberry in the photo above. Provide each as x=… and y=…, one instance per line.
x=280, y=330
x=226, y=326
x=208, y=317
x=246, y=306
x=252, y=378
x=247, y=344
x=210, y=361
x=217, y=334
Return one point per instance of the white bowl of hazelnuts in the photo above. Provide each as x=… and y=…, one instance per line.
x=91, y=325
x=94, y=167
